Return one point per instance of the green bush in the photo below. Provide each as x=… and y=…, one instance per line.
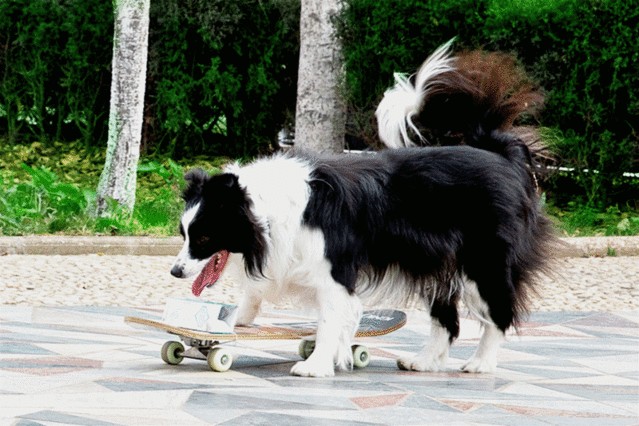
x=380, y=38
x=579, y=220
x=583, y=53
x=43, y=200
x=48, y=188
x=221, y=74
x=43, y=205
x=54, y=69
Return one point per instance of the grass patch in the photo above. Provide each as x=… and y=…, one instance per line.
x=578, y=220
x=50, y=189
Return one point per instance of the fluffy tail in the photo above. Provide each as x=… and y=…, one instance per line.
x=403, y=102
x=473, y=98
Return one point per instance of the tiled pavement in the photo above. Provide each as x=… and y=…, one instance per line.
x=86, y=366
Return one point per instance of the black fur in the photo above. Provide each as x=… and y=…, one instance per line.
x=435, y=213
x=224, y=220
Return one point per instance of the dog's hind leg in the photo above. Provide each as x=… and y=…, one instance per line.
x=444, y=329
x=485, y=358
x=339, y=315
x=495, y=323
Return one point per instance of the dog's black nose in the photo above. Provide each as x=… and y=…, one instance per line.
x=177, y=272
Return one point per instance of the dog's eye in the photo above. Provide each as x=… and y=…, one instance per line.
x=202, y=240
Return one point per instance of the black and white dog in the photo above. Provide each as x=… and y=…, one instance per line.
x=443, y=224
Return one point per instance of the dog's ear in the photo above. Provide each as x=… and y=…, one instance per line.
x=222, y=189
x=228, y=179
x=220, y=184
x=195, y=180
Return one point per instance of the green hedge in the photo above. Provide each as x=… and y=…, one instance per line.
x=54, y=69
x=383, y=37
x=221, y=74
x=584, y=53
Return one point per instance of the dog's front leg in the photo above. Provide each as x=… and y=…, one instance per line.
x=249, y=306
x=339, y=315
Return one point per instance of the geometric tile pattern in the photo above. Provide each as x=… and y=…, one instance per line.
x=84, y=365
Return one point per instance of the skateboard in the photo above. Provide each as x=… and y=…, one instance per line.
x=209, y=346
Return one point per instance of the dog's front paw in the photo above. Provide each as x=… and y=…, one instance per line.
x=246, y=314
x=310, y=368
x=419, y=363
x=479, y=365
x=245, y=321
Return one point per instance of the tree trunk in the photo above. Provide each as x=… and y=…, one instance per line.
x=320, y=117
x=130, y=46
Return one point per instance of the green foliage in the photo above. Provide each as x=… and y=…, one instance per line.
x=583, y=53
x=158, y=206
x=221, y=74
x=56, y=195
x=56, y=198
x=222, y=77
x=582, y=220
x=54, y=69
x=171, y=174
x=72, y=162
x=159, y=190
x=42, y=205
x=380, y=38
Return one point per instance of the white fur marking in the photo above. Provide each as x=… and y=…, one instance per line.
x=249, y=307
x=434, y=354
x=403, y=101
x=339, y=316
x=475, y=303
x=184, y=261
x=339, y=312
x=485, y=358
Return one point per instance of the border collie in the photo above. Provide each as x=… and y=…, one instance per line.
x=443, y=224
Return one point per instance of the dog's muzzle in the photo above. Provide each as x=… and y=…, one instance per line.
x=177, y=271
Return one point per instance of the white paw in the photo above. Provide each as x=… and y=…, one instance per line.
x=245, y=321
x=479, y=365
x=420, y=363
x=246, y=317
x=310, y=368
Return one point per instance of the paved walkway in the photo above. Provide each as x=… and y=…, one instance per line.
x=84, y=366
x=579, y=284
x=66, y=356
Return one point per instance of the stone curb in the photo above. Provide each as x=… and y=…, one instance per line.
x=170, y=246
x=69, y=246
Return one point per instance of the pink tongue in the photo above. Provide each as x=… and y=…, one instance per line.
x=210, y=273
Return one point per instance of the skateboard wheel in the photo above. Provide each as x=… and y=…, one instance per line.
x=172, y=353
x=306, y=348
x=219, y=359
x=361, y=356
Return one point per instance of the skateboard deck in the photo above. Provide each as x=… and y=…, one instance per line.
x=206, y=346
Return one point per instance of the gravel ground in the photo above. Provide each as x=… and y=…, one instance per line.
x=579, y=284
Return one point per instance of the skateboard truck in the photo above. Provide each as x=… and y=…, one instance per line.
x=219, y=359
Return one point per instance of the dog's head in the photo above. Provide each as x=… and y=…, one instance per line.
x=217, y=220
